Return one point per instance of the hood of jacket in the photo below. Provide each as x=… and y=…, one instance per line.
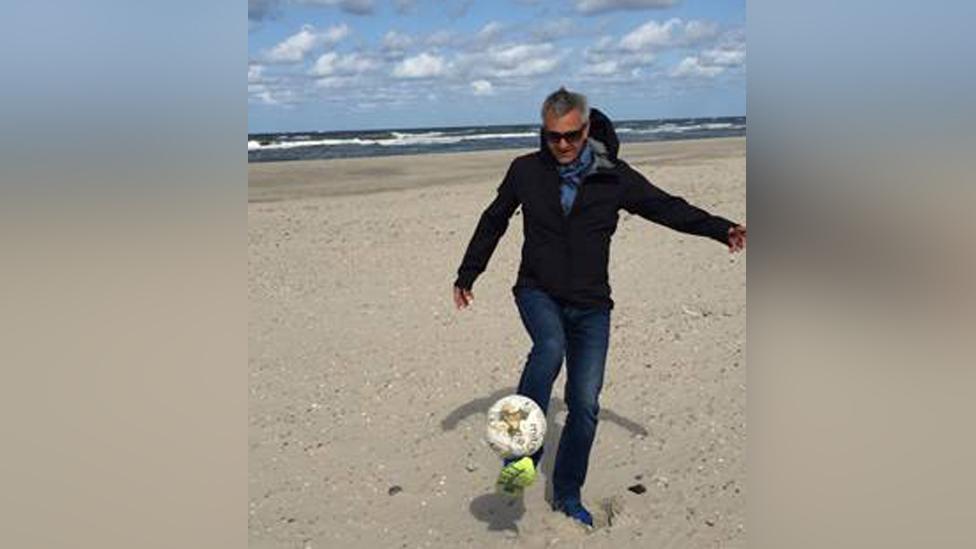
x=601, y=129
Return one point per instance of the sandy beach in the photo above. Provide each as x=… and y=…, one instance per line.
x=368, y=390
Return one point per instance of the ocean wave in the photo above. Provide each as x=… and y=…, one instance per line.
x=674, y=128
x=269, y=147
x=398, y=139
x=425, y=139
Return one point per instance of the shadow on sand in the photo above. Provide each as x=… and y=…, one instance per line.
x=501, y=512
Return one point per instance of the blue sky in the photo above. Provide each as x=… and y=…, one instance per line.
x=322, y=65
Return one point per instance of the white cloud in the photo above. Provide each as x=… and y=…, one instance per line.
x=336, y=33
x=691, y=67
x=489, y=32
x=459, y=9
x=650, y=35
x=730, y=50
x=512, y=56
x=554, y=30
x=604, y=43
x=605, y=54
x=724, y=57
x=258, y=10
x=482, y=87
x=332, y=82
x=440, y=38
x=356, y=7
x=262, y=95
x=404, y=7
x=673, y=32
x=605, y=68
x=255, y=74
x=728, y=55
x=269, y=91
x=602, y=6
x=333, y=64
x=696, y=31
x=394, y=40
x=395, y=44
x=622, y=60
x=617, y=68
x=513, y=60
x=424, y=65
x=294, y=48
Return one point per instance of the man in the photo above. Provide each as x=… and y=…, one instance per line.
x=570, y=191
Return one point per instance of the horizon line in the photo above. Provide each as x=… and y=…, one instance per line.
x=619, y=120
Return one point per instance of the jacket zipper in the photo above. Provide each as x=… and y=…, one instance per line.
x=579, y=195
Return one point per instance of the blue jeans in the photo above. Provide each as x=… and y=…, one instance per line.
x=582, y=337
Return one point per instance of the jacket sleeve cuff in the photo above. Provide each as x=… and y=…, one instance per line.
x=465, y=280
x=719, y=229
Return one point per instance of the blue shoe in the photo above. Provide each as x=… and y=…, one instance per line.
x=576, y=511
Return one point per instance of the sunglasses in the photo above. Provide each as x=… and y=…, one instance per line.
x=571, y=137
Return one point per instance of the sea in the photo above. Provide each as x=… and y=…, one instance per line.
x=274, y=147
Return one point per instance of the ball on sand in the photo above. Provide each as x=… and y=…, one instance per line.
x=516, y=426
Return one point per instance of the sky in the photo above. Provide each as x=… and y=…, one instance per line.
x=328, y=65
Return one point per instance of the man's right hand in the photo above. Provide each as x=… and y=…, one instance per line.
x=462, y=297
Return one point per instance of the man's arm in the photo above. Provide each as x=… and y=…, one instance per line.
x=491, y=227
x=651, y=203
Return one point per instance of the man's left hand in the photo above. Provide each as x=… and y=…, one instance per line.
x=737, y=238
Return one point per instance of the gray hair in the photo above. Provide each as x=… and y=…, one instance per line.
x=563, y=101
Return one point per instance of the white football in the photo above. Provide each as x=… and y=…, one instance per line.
x=516, y=426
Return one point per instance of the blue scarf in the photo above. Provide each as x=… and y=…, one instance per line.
x=571, y=175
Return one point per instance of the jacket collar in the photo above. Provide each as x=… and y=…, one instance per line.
x=601, y=155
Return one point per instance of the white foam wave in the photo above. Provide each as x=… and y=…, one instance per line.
x=431, y=139
x=399, y=139
x=674, y=128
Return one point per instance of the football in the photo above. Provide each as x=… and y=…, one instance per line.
x=516, y=426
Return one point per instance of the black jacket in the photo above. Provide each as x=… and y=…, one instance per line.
x=567, y=256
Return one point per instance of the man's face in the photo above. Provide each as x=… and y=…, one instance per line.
x=565, y=135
